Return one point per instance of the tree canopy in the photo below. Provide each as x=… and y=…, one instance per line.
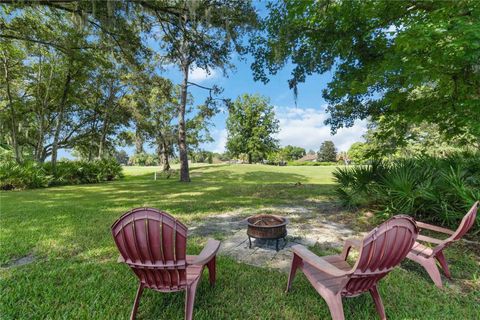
x=327, y=152
x=251, y=126
x=415, y=61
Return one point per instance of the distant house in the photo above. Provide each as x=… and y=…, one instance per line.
x=308, y=158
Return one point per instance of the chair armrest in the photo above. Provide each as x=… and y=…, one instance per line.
x=349, y=243
x=422, y=225
x=120, y=259
x=429, y=239
x=208, y=252
x=317, y=262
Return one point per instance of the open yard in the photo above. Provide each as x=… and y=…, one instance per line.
x=69, y=268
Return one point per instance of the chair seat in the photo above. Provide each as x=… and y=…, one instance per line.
x=325, y=279
x=421, y=250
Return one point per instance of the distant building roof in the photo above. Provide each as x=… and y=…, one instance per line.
x=308, y=157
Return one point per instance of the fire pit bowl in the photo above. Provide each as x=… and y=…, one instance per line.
x=268, y=227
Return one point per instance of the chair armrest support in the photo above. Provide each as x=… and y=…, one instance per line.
x=208, y=252
x=429, y=239
x=422, y=225
x=317, y=262
x=349, y=243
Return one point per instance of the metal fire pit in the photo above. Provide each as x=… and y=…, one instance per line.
x=268, y=227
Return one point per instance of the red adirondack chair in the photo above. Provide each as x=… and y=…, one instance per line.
x=379, y=252
x=153, y=244
x=426, y=256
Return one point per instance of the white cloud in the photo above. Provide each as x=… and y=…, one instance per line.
x=305, y=128
x=198, y=74
x=220, y=141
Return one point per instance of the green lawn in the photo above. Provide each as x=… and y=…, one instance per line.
x=67, y=230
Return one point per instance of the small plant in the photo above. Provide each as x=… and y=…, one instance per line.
x=428, y=188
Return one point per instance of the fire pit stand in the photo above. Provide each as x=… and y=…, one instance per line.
x=267, y=227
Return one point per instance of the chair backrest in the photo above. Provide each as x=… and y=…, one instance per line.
x=465, y=225
x=153, y=244
x=382, y=250
x=467, y=222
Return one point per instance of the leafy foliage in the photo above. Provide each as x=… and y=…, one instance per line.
x=311, y=163
x=432, y=189
x=31, y=174
x=327, y=152
x=251, y=125
x=358, y=153
x=415, y=60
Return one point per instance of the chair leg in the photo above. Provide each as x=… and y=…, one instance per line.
x=378, y=302
x=432, y=269
x=137, y=301
x=335, y=305
x=212, y=270
x=443, y=263
x=296, y=262
x=190, y=300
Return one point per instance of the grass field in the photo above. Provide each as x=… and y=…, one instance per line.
x=74, y=275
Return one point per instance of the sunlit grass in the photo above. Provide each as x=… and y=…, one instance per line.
x=75, y=275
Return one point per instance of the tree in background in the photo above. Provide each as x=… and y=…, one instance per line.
x=409, y=61
x=327, y=152
x=405, y=140
x=358, y=153
x=199, y=34
x=251, y=126
x=292, y=153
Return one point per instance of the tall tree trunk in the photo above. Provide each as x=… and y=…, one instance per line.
x=60, y=116
x=39, y=146
x=182, y=133
x=163, y=152
x=18, y=156
x=250, y=158
x=40, y=151
x=138, y=141
x=166, y=152
x=103, y=136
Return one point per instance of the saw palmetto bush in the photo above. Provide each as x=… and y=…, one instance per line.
x=439, y=190
x=29, y=174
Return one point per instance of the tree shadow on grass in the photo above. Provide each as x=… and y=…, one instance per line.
x=64, y=221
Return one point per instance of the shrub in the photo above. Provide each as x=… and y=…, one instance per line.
x=308, y=163
x=26, y=175
x=34, y=175
x=430, y=189
x=143, y=159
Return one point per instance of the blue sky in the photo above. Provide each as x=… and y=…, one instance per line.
x=301, y=124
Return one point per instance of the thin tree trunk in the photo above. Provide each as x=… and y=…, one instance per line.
x=40, y=151
x=163, y=152
x=103, y=136
x=138, y=141
x=15, y=146
x=166, y=152
x=250, y=158
x=59, y=123
x=182, y=134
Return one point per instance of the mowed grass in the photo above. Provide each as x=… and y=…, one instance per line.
x=75, y=274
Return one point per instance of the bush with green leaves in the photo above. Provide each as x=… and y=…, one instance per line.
x=311, y=163
x=29, y=175
x=143, y=159
x=430, y=189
